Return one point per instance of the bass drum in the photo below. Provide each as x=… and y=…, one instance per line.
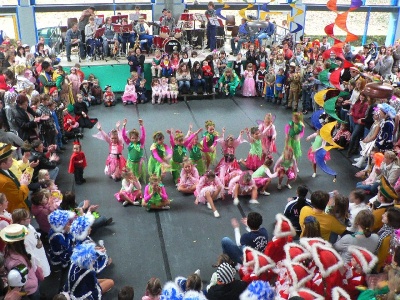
x=171, y=45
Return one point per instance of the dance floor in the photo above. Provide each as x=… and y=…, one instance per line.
x=187, y=237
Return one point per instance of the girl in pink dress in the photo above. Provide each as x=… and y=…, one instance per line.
x=256, y=157
x=115, y=162
x=165, y=93
x=268, y=135
x=175, y=61
x=130, y=192
x=129, y=93
x=228, y=162
x=209, y=189
x=189, y=177
x=249, y=84
x=75, y=82
x=241, y=185
x=156, y=92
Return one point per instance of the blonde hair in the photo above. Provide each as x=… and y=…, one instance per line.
x=42, y=174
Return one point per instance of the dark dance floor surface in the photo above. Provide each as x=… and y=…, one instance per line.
x=187, y=237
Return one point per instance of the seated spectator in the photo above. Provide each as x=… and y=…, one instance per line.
x=153, y=289
x=294, y=206
x=256, y=238
x=311, y=228
x=390, y=168
x=126, y=293
x=363, y=237
x=42, y=207
x=357, y=204
x=385, y=200
x=328, y=223
x=370, y=184
x=49, y=163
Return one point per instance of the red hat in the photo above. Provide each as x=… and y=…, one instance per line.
x=262, y=64
x=52, y=90
x=298, y=273
x=364, y=258
x=316, y=43
x=340, y=294
x=306, y=294
x=296, y=252
x=308, y=242
x=326, y=258
x=258, y=261
x=283, y=227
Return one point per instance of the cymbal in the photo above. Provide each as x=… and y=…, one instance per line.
x=257, y=24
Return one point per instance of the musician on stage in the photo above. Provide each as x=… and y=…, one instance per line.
x=90, y=31
x=136, y=15
x=109, y=37
x=169, y=21
x=126, y=37
x=84, y=20
x=188, y=26
x=211, y=29
x=242, y=37
x=73, y=37
x=267, y=32
x=164, y=14
x=143, y=30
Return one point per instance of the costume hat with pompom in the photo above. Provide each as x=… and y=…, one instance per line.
x=298, y=273
x=84, y=255
x=296, y=252
x=308, y=242
x=180, y=281
x=326, y=258
x=364, y=258
x=283, y=227
x=52, y=90
x=387, y=190
x=257, y=261
x=194, y=295
x=59, y=218
x=258, y=290
x=306, y=294
x=171, y=291
x=340, y=294
x=80, y=227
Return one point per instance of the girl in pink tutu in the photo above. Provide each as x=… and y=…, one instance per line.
x=129, y=93
x=115, y=162
x=256, y=157
x=268, y=134
x=165, y=93
x=189, y=177
x=262, y=176
x=130, y=192
x=243, y=185
x=249, y=84
x=286, y=165
x=228, y=162
x=316, y=145
x=209, y=189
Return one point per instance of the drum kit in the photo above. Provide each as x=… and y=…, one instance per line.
x=183, y=36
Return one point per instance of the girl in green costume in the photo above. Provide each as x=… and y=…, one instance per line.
x=179, y=151
x=209, y=143
x=195, y=153
x=135, y=142
x=155, y=195
x=316, y=145
x=160, y=155
x=294, y=131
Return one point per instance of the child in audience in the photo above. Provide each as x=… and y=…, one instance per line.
x=141, y=92
x=166, y=66
x=155, y=195
x=86, y=93
x=175, y=61
x=77, y=163
x=108, y=97
x=260, y=78
x=165, y=93
x=153, y=289
x=173, y=89
x=5, y=217
x=129, y=93
x=42, y=207
x=208, y=77
x=249, y=85
x=130, y=192
x=269, y=86
x=238, y=65
x=156, y=92
x=155, y=64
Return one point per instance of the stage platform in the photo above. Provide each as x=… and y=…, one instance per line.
x=187, y=237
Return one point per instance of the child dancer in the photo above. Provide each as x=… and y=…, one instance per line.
x=268, y=134
x=209, y=189
x=141, y=91
x=179, y=150
x=165, y=94
x=256, y=157
x=260, y=78
x=286, y=165
x=209, y=143
x=155, y=64
x=115, y=161
x=130, y=192
x=156, y=91
x=262, y=176
x=155, y=195
x=173, y=90
x=160, y=155
x=189, y=178
x=135, y=143
x=249, y=85
x=294, y=131
x=195, y=152
x=316, y=145
x=129, y=93
x=77, y=163
x=243, y=184
x=228, y=163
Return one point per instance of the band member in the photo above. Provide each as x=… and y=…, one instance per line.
x=170, y=22
x=143, y=30
x=90, y=31
x=242, y=37
x=126, y=37
x=109, y=37
x=211, y=29
x=164, y=14
x=73, y=37
x=84, y=20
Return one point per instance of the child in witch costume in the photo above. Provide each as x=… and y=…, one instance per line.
x=77, y=163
